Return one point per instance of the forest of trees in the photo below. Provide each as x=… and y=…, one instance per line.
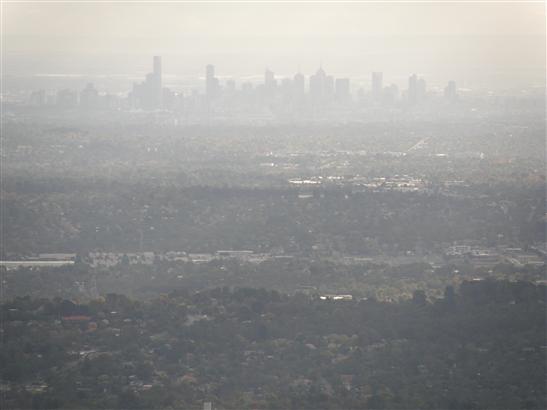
x=481, y=346
x=118, y=217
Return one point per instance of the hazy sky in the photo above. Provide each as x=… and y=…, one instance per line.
x=478, y=44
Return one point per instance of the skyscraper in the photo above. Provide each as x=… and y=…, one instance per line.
x=230, y=86
x=148, y=94
x=421, y=91
x=413, y=89
x=328, y=87
x=269, y=79
x=390, y=94
x=321, y=87
x=377, y=86
x=450, y=91
x=416, y=89
x=157, y=67
x=38, y=98
x=317, y=84
x=67, y=98
x=89, y=97
x=342, y=89
x=299, y=85
x=270, y=85
x=211, y=82
x=156, y=84
x=209, y=71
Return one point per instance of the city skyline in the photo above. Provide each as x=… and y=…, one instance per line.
x=480, y=46
x=262, y=204
x=372, y=81
x=317, y=90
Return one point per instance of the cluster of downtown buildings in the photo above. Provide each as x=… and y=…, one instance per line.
x=318, y=93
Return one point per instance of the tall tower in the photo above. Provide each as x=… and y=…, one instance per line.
x=450, y=91
x=209, y=71
x=342, y=89
x=317, y=85
x=422, y=89
x=299, y=84
x=270, y=85
x=377, y=86
x=269, y=79
x=413, y=89
x=211, y=82
x=157, y=92
x=157, y=68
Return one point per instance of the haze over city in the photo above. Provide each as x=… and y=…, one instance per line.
x=480, y=45
x=259, y=205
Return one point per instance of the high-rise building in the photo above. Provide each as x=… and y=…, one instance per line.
x=299, y=85
x=321, y=87
x=212, y=87
x=450, y=91
x=342, y=89
x=156, y=83
x=38, y=98
x=209, y=71
x=148, y=95
x=328, y=89
x=67, y=98
x=317, y=84
x=422, y=91
x=377, y=86
x=247, y=88
x=413, y=89
x=157, y=67
x=230, y=87
x=169, y=99
x=270, y=85
x=416, y=89
x=269, y=79
x=89, y=97
x=390, y=94
x=285, y=89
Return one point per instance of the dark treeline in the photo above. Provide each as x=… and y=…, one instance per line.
x=122, y=217
x=480, y=347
